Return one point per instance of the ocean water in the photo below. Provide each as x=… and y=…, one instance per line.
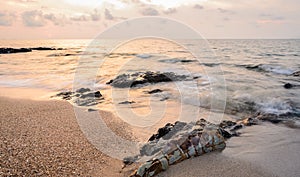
x=232, y=78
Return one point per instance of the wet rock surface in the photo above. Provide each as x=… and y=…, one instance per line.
x=296, y=74
x=188, y=140
x=127, y=102
x=132, y=80
x=154, y=91
x=82, y=97
x=24, y=50
x=176, y=142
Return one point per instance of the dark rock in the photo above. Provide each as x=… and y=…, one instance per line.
x=67, y=93
x=288, y=86
x=109, y=82
x=22, y=50
x=227, y=123
x=177, y=60
x=43, y=48
x=225, y=133
x=98, y=94
x=127, y=102
x=12, y=50
x=163, y=99
x=296, y=74
x=132, y=80
x=162, y=132
x=82, y=90
x=82, y=97
x=154, y=91
x=237, y=127
x=129, y=160
x=91, y=110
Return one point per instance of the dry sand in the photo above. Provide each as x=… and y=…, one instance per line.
x=44, y=138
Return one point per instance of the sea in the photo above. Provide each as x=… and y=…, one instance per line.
x=230, y=78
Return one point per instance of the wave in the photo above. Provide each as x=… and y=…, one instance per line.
x=276, y=69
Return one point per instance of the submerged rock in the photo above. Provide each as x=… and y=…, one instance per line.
x=132, y=80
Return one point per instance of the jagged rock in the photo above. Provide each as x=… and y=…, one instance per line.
x=193, y=139
x=162, y=132
x=132, y=80
x=82, y=97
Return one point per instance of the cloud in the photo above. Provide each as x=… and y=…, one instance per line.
x=95, y=15
x=80, y=18
x=24, y=1
x=226, y=19
x=197, y=6
x=170, y=11
x=6, y=19
x=33, y=18
x=150, y=12
x=58, y=20
x=108, y=15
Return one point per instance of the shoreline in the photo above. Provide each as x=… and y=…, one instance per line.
x=42, y=137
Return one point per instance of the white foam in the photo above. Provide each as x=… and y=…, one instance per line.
x=276, y=69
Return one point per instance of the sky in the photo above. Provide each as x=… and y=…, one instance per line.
x=85, y=19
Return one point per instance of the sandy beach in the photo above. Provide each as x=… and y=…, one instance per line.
x=43, y=138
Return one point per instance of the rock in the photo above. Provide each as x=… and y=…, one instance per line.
x=236, y=127
x=162, y=132
x=132, y=80
x=12, y=50
x=97, y=94
x=82, y=97
x=193, y=139
x=127, y=102
x=227, y=123
x=91, y=110
x=82, y=90
x=296, y=74
x=288, y=86
x=43, y=48
x=154, y=91
x=22, y=50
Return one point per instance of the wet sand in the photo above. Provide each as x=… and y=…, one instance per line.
x=44, y=138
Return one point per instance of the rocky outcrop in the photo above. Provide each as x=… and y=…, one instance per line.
x=12, y=50
x=23, y=50
x=132, y=80
x=82, y=97
x=186, y=141
x=176, y=142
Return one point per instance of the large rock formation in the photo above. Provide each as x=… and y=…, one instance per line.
x=132, y=80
